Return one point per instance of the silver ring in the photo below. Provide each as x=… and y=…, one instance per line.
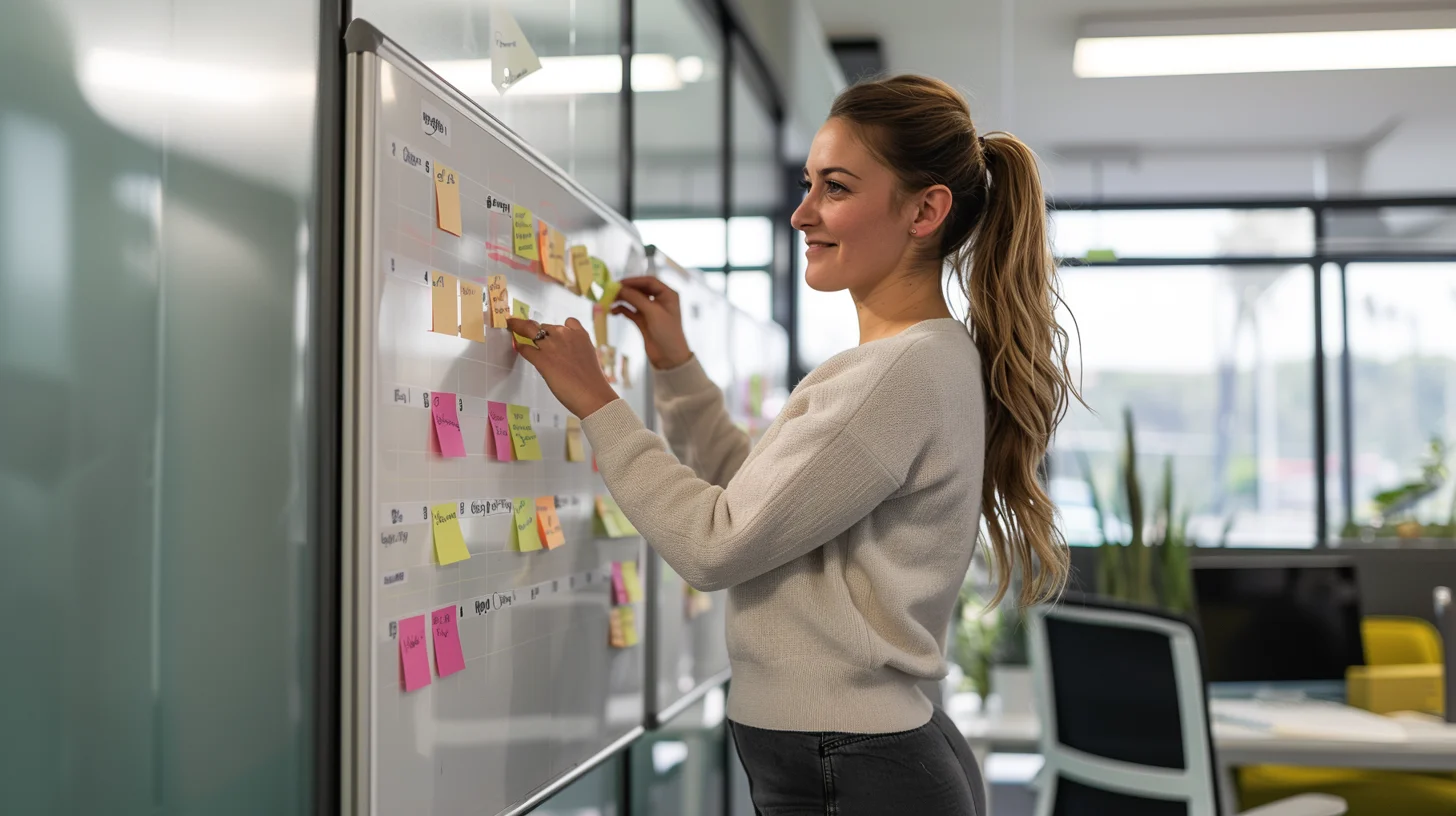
x=541, y=335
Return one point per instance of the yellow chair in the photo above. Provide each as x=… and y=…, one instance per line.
x=1388, y=641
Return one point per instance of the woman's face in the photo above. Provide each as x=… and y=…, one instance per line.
x=856, y=227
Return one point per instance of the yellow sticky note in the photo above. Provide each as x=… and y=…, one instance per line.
x=615, y=636
x=581, y=266
x=632, y=581
x=444, y=302
x=447, y=200
x=524, y=520
x=549, y=522
x=629, y=626
x=521, y=309
x=445, y=526
x=607, y=357
x=556, y=256
x=500, y=301
x=599, y=324
x=575, y=452
x=472, y=312
x=523, y=233
x=626, y=372
x=611, y=519
x=523, y=437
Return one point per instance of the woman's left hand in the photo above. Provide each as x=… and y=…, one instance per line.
x=568, y=362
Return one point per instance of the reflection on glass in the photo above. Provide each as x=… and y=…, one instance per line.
x=679, y=769
x=699, y=242
x=1215, y=364
x=1391, y=229
x=1183, y=233
x=1403, y=389
x=678, y=133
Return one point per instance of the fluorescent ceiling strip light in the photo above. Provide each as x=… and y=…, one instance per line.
x=1099, y=57
x=598, y=73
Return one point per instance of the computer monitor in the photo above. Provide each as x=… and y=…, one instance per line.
x=1279, y=623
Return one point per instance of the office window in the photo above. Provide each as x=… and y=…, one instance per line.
x=1398, y=229
x=1215, y=364
x=571, y=109
x=755, y=188
x=1403, y=384
x=1282, y=233
x=679, y=133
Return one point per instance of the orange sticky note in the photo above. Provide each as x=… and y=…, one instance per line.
x=581, y=266
x=615, y=636
x=543, y=246
x=444, y=304
x=500, y=301
x=447, y=199
x=472, y=312
x=523, y=233
x=521, y=309
x=599, y=324
x=524, y=519
x=549, y=523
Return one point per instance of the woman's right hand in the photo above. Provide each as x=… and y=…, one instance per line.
x=657, y=312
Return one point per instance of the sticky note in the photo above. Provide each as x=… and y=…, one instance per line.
x=447, y=199
x=581, y=266
x=523, y=233
x=444, y=302
x=447, y=423
x=549, y=523
x=445, y=526
x=632, y=581
x=500, y=301
x=609, y=293
x=519, y=308
x=619, y=586
x=556, y=256
x=499, y=437
x=575, y=452
x=626, y=372
x=414, y=656
x=599, y=324
x=600, y=273
x=607, y=357
x=524, y=518
x=523, y=437
x=449, y=658
x=612, y=520
x=472, y=312
x=615, y=636
x=629, y=625
x=512, y=58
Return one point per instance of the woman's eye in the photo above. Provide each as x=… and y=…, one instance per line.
x=834, y=186
x=804, y=185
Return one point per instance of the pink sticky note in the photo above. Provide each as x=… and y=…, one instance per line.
x=500, y=430
x=619, y=586
x=413, y=654
x=448, y=657
x=447, y=423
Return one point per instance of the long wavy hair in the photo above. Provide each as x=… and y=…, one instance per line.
x=995, y=241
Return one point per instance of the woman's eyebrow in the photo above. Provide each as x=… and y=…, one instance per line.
x=827, y=170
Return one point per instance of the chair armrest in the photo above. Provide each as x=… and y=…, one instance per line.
x=1307, y=804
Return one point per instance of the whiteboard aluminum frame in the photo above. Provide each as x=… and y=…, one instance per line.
x=365, y=47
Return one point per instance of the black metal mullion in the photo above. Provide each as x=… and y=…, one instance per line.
x=1321, y=499
x=1347, y=408
x=725, y=30
x=627, y=150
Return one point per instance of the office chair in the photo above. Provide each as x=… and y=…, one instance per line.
x=1124, y=716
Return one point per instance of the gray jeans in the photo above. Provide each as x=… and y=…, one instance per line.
x=926, y=772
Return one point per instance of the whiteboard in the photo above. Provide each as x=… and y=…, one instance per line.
x=543, y=695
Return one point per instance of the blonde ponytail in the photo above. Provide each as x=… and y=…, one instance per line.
x=995, y=239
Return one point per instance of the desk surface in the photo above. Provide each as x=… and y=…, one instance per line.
x=1424, y=744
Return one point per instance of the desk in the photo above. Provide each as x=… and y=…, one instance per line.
x=1427, y=744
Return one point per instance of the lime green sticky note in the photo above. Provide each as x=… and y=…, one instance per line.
x=519, y=308
x=449, y=542
x=527, y=539
x=609, y=293
x=523, y=437
x=1100, y=255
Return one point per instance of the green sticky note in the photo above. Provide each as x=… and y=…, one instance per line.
x=523, y=437
x=524, y=518
x=1100, y=255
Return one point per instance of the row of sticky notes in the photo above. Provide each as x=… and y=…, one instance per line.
x=610, y=521
x=622, y=627
x=535, y=524
x=458, y=306
x=626, y=583
x=511, y=435
x=414, y=657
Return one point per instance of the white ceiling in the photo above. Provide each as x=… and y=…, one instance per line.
x=1344, y=133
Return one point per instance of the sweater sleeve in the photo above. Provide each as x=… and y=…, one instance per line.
x=815, y=479
x=696, y=423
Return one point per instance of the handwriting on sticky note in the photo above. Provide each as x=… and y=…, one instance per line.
x=549, y=522
x=499, y=435
x=523, y=233
x=472, y=312
x=444, y=302
x=449, y=657
x=575, y=452
x=500, y=301
x=619, y=585
x=615, y=636
x=414, y=656
x=524, y=524
x=447, y=199
x=449, y=541
x=599, y=324
x=581, y=266
x=521, y=309
x=629, y=626
x=632, y=581
x=523, y=437
x=447, y=423
x=556, y=256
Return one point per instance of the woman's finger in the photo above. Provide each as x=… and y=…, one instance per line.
x=638, y=300
x=650, y=286
x=632, y=315
x=522, y=326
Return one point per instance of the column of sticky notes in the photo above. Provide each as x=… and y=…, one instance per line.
x=626, y=592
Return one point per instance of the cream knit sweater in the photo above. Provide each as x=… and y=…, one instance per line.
x=842, y=537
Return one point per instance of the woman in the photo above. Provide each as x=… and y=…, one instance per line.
x=844, y=535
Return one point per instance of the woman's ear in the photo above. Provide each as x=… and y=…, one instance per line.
x=932, y=206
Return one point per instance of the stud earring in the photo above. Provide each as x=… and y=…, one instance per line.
x=912, y=230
